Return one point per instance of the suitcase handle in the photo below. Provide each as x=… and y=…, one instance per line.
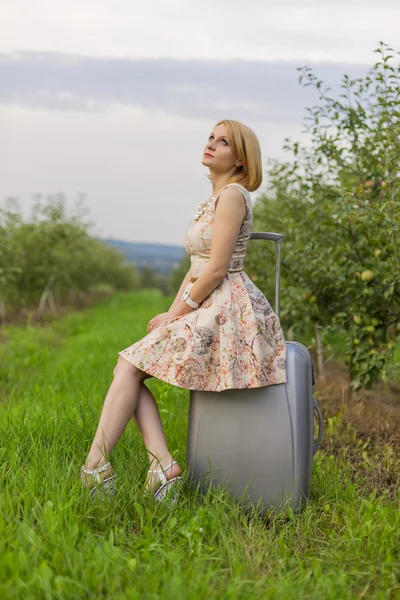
x=275, y=237
x=321, y=426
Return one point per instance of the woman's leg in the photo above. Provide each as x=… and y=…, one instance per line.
x=128, y=398
x=148, y=421
x=119, y=405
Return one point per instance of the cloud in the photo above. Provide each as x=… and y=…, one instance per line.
x=259, y=30
x=261, y=91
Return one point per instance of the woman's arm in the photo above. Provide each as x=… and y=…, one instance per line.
x=226, y=227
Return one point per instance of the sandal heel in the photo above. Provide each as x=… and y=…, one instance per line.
x=169, y=491
x=169, y=487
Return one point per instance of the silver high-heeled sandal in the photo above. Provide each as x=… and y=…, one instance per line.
x=166, y=484
x=107, y=483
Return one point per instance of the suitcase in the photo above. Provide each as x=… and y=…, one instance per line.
x=258, y=442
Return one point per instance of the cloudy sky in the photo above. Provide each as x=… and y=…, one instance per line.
x=115, y=100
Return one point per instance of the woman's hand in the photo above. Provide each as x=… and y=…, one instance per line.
x=157, y=320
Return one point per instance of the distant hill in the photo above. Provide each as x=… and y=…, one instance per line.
x=160, y=257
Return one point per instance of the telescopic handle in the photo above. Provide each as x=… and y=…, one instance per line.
x=277, y=238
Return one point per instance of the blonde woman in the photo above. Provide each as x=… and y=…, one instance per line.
x=219, y=333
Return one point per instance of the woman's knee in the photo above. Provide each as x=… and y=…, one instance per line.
x=124, y=367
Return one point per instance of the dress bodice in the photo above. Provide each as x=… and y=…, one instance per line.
x=198, y=237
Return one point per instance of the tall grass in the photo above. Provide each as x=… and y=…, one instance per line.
x=57, y=543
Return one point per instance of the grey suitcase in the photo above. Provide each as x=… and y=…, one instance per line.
x=259, y=442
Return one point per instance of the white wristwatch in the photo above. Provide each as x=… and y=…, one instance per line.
x=186, y=298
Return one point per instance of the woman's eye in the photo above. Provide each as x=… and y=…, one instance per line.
x=225, y=142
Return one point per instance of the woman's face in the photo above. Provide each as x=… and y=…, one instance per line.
x=217, y=153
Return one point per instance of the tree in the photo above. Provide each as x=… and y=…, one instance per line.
x=51, y=256
x=148, y=278
x=177, y=275
x=337, y=204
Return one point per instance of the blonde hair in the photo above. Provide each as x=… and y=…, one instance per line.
x=246, y=147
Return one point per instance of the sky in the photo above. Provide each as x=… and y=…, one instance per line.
x=114, y=101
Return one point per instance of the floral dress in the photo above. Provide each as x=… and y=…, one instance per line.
x=232, y=340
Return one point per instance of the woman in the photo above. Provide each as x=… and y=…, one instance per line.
x=219, y=333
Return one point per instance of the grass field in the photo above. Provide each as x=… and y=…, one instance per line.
x=56, y=543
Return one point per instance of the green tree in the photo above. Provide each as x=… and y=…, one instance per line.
x=337, y=204
x=148, y=278
x=179, y=273
x=10, y=221
x=52, y=257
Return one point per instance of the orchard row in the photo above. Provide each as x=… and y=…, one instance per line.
x=337, y=203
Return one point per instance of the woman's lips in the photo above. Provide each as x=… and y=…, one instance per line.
x=208, y=154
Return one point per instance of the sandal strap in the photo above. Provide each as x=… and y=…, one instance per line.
x=161, y=472
x=96, y=472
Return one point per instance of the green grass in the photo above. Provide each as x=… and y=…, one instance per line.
x=56, y=543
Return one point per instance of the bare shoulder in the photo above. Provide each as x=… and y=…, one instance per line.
x=231, y=200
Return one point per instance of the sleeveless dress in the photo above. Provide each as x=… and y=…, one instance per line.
x=232, y=340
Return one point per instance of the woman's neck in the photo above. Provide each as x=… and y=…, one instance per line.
x=218, y=183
